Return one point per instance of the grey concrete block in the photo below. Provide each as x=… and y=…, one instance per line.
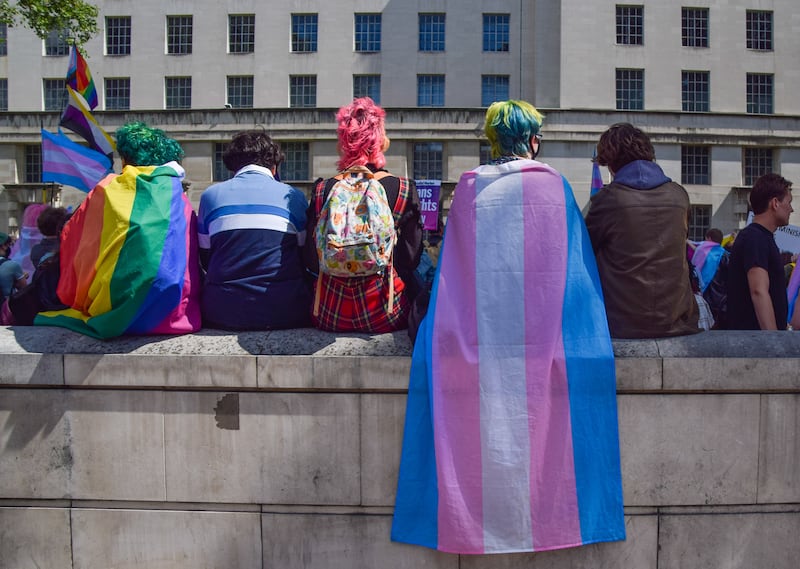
x=34, y=538
x=729, y=541
x=310, y=541
x=160, y=370
x=382, y=419
x=638, y=551
x=385, y=372
x=32, y=369
x=263, y=448
x=689, y=449
x=162, y=539
x=638, y=374
x=733, y=374
x=779, y=463
x=286, y=372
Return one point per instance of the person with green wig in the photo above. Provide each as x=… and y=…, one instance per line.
x=129, y=253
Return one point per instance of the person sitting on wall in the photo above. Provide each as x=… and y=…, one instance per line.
x=49, y=222
x=638, y=225
x=12, y=275
x=129, y=257
x=251, y=230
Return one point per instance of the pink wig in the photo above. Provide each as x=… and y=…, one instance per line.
x=361, y=134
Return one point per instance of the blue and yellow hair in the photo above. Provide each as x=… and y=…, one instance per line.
x=140, y=145
x=509, y=127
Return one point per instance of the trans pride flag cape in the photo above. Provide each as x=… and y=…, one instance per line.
x=129, y=260
x=706, y=259
x=511, y=441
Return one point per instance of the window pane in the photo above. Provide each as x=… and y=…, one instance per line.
x=428, y=161
x=240, y=91
x=759, y=93
x=118, y=35
x=694, y=87
x=33, y=163
x=496, y=32
x=220, y=173
x=757, y=162
x=56, y=43
x=3, y=39
x=3, y=94
x=367, y=86
x=55, y=94
x=295, y=165
x=485, y=152
x=431, y=32
x=368, y=32
x=179, y=35
x=430, y=90
x=304, y=32
x=694, y=26
x=630, y=89
x=759, y=30
x=178, y=91
x=695, y=165
x=699, y=221
x=630, y=25
x=242, y=33
x=302, y=91
x=118, y=94
x=493, y=88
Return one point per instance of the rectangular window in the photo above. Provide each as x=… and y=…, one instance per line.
x=431, y=32
x=630, y=89
x=302, y=91
x=695, y=165
x=757, y=162
x=699, y=221
x=3, y=39
x=694, y=91
x=55, y=94
x=118, y=94
x=496, y=29
x=304, y=32
x=296, y=164
x=56, y=43
x=178, y=92
x=694, y=27
x=367, y=86
x=484, y=153
x=493, y=88
x=368, y=32
x=118, y=35
x=3, y=94
x=221, y=172
x=33, y=163
x=241, y=33
x=759, y=30
x=759, y=93
x=630, y=25
x=179, y=35
x=240, y=91
x=430, y=90
x=428, y=161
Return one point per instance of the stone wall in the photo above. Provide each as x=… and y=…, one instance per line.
x=280, y=449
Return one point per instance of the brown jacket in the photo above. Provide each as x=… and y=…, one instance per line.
x=639, y=239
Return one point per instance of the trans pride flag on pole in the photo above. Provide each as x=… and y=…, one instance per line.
x=511, y=440
x=129, y=258
x=72, y=164
x=79, y=78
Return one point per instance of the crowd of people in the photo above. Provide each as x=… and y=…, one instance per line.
x=134, y=258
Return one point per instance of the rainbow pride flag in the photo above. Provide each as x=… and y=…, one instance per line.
x=129, y=260
x=511, y=440
x=79, y=78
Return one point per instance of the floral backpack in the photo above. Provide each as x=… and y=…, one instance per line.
x=356, y=232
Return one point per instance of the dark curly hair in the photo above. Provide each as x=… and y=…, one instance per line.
x=252, y=147
x=140, y=145
x=50, y=221
x=621, y=144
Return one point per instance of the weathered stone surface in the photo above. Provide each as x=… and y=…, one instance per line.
x=636, y=374
x=263, y=448
x=689, y=449
x=722, y=541
x=32, y=369
x=779, y=464
x=34, y=538
x=382, y=419
x=161, y=539
x=731, y=374
x=309, y=541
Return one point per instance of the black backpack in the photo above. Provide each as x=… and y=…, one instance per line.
x=716, y=294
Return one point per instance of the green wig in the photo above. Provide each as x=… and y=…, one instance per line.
x=509, y=127
x=140, y=145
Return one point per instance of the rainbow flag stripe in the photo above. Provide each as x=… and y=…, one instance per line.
x=511, y=440
x=129, y=260
x=79, y=78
